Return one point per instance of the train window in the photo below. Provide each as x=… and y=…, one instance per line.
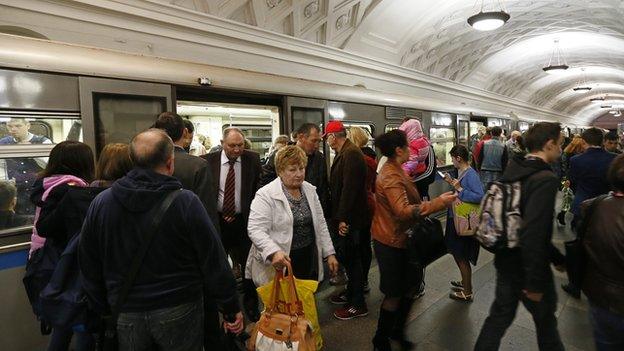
x=17, y=130
x=494, y=122
x=259, y=123
x=119, y=117
x=442, y=140
x=301, y=115
x=391, y=126
x=523, y=126
x=17, y=176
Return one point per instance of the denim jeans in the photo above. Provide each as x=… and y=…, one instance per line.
x=608, y=329
x=173, y=329
x=509, y=286
x=489, y=176
x=354, y=265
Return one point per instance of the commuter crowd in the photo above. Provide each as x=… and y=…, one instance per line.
x=150, y=247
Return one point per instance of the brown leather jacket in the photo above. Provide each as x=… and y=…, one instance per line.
x=397, y=205
x=604, y=244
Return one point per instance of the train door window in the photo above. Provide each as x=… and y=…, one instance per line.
x=494, y=122
x=301, y=115
x=463, y=131
x=119, y=117
x=523, y=126
x=442, y=140
x=259, y=123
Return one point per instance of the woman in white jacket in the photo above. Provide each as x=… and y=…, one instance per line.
x=286, y=223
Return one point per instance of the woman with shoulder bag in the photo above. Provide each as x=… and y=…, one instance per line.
x=398, y=208
x=465, y=249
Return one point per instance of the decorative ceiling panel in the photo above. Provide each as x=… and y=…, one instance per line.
x=329, y=22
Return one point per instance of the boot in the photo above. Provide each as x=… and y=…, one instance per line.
x=398, y=331
x=381, y=341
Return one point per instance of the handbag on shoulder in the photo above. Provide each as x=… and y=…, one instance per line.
x=425, y=241
x=282, y=325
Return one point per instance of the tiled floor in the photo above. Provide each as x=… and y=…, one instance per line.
x=439, y=323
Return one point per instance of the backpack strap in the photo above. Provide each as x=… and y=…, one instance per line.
x=138, y=259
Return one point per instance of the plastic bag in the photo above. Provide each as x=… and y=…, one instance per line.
x=305, y=290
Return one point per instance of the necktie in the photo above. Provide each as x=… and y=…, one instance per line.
x=229, y=204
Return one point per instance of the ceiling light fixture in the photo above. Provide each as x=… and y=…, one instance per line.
x=557, y=63
x=489, y=20
x=582, y=83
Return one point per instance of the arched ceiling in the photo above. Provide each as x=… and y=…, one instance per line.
x=433, y=37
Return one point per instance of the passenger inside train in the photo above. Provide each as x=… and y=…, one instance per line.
x=330, y=175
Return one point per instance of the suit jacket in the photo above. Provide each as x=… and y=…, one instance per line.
x=348, y=188
x=195, y=175
x=588, y=175
x=251, y=169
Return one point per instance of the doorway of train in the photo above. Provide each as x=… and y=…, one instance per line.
x=258, y=116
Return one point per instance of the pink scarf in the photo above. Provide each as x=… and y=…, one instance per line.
x=49, y=183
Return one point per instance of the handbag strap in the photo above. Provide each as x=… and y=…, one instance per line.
x=138, y=259
x=292, y=299
x=590, y=211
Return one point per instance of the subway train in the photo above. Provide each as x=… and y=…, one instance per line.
x=50, y=92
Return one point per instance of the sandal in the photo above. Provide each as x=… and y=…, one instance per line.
x=460, y=296
x=457, y=284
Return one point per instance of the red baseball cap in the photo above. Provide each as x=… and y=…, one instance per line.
x=333, y=127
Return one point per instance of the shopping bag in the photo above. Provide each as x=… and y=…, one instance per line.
x=465, y=217
x=305, y=290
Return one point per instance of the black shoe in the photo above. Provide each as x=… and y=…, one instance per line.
x=571, y=290
x=381, y=344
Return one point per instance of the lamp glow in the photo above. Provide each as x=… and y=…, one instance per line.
x=486, y=21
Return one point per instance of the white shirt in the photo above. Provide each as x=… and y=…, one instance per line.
x=225, y=168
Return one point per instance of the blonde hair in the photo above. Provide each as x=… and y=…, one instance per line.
x=358, y=136
x=290, y=155
x=575, y=146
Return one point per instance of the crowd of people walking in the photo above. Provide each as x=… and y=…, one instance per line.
x=165, y=240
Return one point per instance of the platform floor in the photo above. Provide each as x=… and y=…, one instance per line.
x=438, y=323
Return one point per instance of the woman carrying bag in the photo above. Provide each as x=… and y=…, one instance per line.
x=398, y=209
x=460, y=244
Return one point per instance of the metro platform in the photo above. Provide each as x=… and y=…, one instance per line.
x=437, y=323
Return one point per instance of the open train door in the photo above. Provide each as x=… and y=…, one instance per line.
x=113, y=111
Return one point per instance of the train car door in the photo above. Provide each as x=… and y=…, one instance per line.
x=299, y=110
x=113, y=111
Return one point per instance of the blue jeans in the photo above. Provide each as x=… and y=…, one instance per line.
x=61, y=339
x=608, y=329
x=489, y=176
x=173, y=329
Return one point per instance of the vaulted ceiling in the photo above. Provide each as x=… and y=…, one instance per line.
x=433, y=37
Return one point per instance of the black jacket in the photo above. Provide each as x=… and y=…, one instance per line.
x=604, y=245
x=63, y=212
x=316, y=174
x=185, y=254
x=195, y=175
x=538, y=191
x=348, y=188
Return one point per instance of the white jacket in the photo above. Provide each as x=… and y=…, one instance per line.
x=270, y=229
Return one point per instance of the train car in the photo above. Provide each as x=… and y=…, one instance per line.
x=52, y=92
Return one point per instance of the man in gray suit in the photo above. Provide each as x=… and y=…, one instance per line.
x=193, y=172
x=195, y=175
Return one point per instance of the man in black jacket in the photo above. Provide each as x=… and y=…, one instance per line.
x=164, y=305
x=349, y=217
x=308, y=137
x=524, y=274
